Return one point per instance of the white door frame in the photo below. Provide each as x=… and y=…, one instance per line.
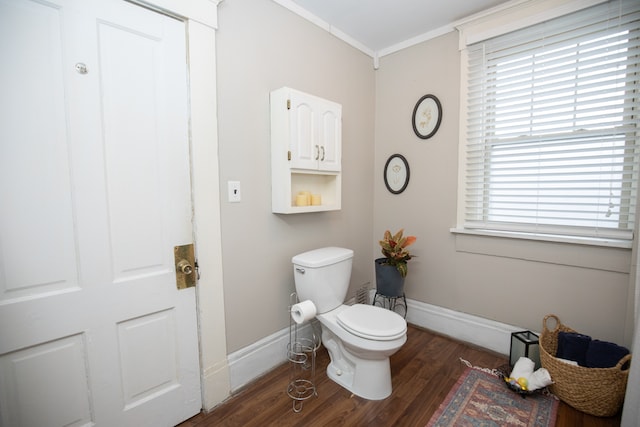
x=201, y=17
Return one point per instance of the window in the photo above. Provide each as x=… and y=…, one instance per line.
x=552, y=133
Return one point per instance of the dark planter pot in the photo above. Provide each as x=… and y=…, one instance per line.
x=389, y=281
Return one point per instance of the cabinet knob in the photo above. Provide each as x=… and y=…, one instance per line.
x=322, y=158
x=317, y=152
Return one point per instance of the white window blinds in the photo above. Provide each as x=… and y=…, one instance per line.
x=552, y=126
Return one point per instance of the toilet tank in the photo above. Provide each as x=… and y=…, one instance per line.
x=322, y=276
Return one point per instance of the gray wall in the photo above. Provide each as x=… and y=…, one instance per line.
x=262, y=46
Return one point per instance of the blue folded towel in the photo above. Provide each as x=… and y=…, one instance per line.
x=573, y=346
x=602, y=354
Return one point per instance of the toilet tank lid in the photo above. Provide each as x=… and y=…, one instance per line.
x=322, y=257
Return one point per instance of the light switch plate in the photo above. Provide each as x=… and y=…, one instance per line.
x=234, y=191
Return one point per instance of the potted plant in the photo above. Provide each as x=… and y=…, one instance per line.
x=392, y=269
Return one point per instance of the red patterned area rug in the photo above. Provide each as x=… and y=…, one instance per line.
x=482, y=399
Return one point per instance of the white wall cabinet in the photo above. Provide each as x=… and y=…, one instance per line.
x=306, y=149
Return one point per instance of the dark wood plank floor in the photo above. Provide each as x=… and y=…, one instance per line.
x=424, y=370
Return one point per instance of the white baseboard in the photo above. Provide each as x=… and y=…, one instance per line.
x=255, y=360
x=476, y=330
x=215, y=385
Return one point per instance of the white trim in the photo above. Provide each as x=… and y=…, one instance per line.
x=314, y=19
x=489, y=12
x=557, y=238
x=631, y=408
x=351, y=41
x=485, y=333
x=206, y=200
x=375, y=55
x=514, y=16
x=416, y=40
x=480, y=26
x=255, y=360
x=201, y=17
x=203, y=11
x=304, y=13
x=462, y=134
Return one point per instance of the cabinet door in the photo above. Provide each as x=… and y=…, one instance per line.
x=304, y=147
x=330, y=136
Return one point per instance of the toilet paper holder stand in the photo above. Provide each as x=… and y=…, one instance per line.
x=301, y=352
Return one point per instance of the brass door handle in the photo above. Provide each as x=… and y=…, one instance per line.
x=185, y=267
x=185, y=264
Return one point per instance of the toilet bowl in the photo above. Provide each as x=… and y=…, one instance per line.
x=359, y=338
x=361, y=363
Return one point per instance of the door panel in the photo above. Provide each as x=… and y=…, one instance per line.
x=52, y=376
x=132, y=151
x=94, y=180
x=38, y=92
x=303, y=132
x=148, y=356
x=330, y=138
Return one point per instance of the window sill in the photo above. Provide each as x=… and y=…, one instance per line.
x=600, y=254
x=575, y=240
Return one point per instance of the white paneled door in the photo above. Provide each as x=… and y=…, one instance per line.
x=94, y=195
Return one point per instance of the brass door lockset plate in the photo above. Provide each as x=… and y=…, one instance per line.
x=186, y=266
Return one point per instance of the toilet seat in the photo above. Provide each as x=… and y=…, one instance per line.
x=371, y=322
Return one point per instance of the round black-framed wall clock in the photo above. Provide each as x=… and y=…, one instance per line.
x=427, y=116
x=396, y=173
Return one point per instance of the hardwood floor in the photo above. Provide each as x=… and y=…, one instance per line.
x=424, y=370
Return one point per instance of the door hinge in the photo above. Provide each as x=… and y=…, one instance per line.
x=288, y=104
x=289, y=155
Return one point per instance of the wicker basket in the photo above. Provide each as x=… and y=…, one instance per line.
x=595, y=391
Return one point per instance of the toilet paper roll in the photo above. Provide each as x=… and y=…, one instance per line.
x=303, y=311
x=316, y=200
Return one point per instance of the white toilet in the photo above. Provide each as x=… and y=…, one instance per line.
x=359, y=338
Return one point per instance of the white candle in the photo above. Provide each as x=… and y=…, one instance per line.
x=307, y=194
x=302, y=200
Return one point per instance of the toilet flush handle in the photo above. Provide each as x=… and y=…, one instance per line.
x=300, y=270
